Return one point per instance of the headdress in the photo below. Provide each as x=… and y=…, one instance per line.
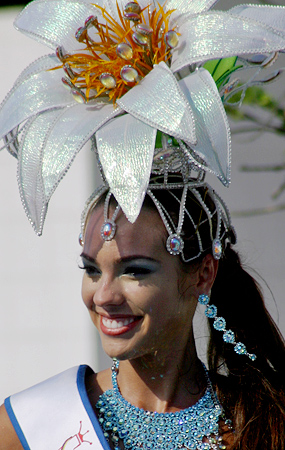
x=147, y=84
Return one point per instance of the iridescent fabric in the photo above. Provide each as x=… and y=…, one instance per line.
x=44, y=127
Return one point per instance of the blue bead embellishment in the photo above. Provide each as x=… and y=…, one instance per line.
x=146, y=430
x=211, y=311
x=80, y=239
x=219, y=324
x=175, y=245
x=203, y=299
x=240, y=348
x=229, y=337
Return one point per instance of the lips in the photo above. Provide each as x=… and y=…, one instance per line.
x=118, y=325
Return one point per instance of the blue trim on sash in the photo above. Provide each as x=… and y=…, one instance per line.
x=16, y=424
x=87, y=405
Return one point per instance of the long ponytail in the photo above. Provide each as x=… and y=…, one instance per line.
x=254, y=391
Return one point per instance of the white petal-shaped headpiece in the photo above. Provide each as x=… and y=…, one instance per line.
x=54, y=22
x=211, y=124
x=127, y=169
x=216, y=35
x=170, y=112
x=146, y=101
x=48, y=147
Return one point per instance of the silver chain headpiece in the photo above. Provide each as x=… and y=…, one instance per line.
x=173, y=174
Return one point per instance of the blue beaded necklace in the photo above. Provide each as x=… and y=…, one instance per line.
x=140, y=429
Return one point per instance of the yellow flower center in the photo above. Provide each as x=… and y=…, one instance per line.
x=117, y=55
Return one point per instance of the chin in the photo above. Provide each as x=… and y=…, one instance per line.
x=121, y=351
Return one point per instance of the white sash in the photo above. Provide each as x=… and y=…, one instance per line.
x=56, y=415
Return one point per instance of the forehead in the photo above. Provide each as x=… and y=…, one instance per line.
x=146, y=236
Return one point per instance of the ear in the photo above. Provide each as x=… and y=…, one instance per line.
x=207, y=274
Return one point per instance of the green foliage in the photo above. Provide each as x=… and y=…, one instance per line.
x=158, y=141
x=221, y=69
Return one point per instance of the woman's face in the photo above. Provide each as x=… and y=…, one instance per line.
x=133, y=288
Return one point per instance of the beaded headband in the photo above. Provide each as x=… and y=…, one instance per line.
x=164, y=177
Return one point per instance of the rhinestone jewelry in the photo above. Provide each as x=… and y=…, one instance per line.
x=129, y=74
x=219, y=324
x=108, y=229
x=217, y=248
x=133, y=7
x=171, y=39
x=80, y=240
x=140, y=429
x=125, y=51
x=174, y=244
x=107, y=80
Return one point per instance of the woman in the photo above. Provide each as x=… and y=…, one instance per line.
x=142, y=300
x=148, y=259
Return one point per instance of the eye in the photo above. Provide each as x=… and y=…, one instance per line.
x=90, y=270
x=137, y=271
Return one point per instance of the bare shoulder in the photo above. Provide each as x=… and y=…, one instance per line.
x=96, y=383
x=9, y=439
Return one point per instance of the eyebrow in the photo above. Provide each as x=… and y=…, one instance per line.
x=88, y=258
x=124, y=259
x=134, y=257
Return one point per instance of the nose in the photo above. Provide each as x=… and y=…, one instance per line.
x=108, y=292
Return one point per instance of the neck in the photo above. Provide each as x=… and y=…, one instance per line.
x=163, y=383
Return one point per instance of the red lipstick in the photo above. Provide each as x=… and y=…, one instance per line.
x=118, y=325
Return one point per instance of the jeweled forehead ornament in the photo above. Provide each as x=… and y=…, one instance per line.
x=109, y=226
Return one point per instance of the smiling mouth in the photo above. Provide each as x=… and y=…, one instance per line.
x=115, y=323
x=118, y=326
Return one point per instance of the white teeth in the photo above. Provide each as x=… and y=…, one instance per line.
x=114, y=323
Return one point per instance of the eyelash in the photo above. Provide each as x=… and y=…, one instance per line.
x=137, y=271
x=133, y=271
x=90, y=270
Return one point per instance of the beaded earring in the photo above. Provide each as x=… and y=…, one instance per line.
x=219, y=324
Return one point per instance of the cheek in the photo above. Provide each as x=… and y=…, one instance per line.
x=144, y=295
x=155, y=301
